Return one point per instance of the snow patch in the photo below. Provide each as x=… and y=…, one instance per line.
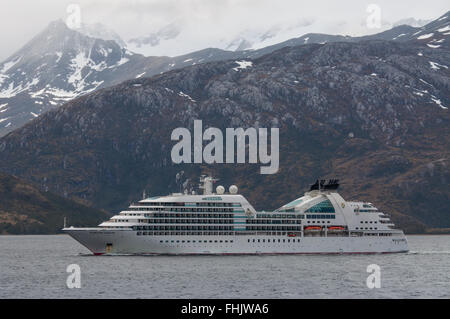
x=12, y=91
x=400, y=35
x=186, y=96
x=243, y=65
x=437, y=66
x=444, y=29
x=122, y=61
x=78, y=64
x=59, y=55
x=425, y=36
x=9, y=65
x=438, y=102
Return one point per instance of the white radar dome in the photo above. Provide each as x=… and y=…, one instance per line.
x=233, y=189
x=220, y=190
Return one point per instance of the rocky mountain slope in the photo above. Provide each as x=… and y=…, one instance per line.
x=60, y=64
x=24, y=209
x=372, y=113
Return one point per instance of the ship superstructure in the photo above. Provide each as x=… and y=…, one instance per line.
x=321, y=221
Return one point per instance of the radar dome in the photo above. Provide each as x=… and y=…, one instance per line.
x=220, y=190
x=233, y=189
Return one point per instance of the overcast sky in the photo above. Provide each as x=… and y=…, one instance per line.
x=204, y=23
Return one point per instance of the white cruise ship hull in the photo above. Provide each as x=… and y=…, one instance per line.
x=106, y=241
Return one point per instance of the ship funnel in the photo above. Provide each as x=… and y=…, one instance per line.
x=207, y=184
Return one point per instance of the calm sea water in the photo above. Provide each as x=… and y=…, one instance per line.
x=35, y=267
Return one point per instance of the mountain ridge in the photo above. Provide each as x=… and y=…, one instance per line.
x=355, y=111
x=33, y=84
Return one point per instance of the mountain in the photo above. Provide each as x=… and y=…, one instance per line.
x=100, y=31
x=56, y=66
x=413, y=22
x=373, y=113
x=24, y=209
x=146, y=43
x=60, y=64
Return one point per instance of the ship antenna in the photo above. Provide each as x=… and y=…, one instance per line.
x=143, y=194
x=65, y=222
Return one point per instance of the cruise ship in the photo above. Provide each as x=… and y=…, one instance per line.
x=319, y=222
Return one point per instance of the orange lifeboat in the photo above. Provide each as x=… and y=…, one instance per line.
x=336, y=228
x=313, y=228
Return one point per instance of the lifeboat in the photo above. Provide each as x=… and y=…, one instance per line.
x=313, y=228
x=336, y=228
x=292, y=235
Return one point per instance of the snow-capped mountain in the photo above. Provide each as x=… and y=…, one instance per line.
x=100, y=31
x=416, y=23
x=60, y=64
x=54, y=67
x=434, y=34
x=145, y=44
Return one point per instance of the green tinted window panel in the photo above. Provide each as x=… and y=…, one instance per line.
x=322, y=207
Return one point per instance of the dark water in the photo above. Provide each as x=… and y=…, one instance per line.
x=35, y=267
